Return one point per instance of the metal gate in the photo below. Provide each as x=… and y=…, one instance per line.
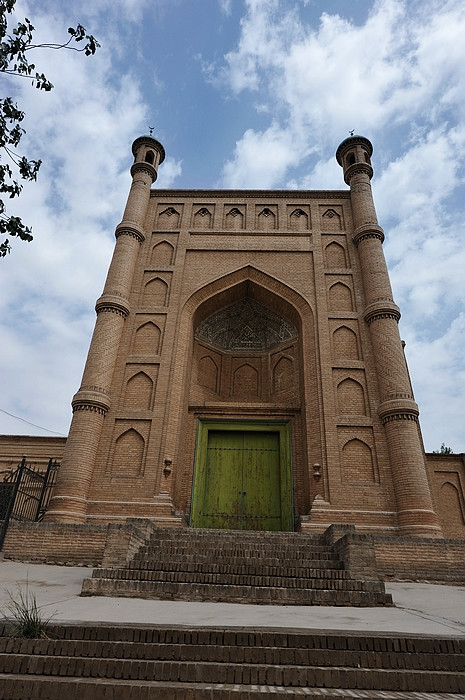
x=25, y=493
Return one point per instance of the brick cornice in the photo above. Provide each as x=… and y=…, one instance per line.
x=381, y=308
x=367, y=231
x=122, y=230
x=93, y=399
x=114, y=303
x=172, y=195
x=398, y=409
x=144, y=167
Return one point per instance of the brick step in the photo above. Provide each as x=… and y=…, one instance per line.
x=233, y=554
x=232, y=636
x=231, y=579
x=249, y=674
x=206, y=565
x=246, y=538
x=270, y=656
x=33, y=687
x=223, y=592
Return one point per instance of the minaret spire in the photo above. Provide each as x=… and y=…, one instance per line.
x=397, y=410
x=92, y=401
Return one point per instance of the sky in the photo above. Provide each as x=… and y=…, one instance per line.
x=242, y=94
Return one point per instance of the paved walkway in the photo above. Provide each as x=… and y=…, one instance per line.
x=420, y=608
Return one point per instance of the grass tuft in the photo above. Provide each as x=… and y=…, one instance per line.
x=25, y=616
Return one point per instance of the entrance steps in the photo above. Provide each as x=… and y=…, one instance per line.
x=238, y=567
x=111, y=662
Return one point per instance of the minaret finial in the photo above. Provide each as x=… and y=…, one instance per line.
x=151, y=128
x=351, y=132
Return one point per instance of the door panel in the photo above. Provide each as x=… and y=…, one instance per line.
x=240, y=483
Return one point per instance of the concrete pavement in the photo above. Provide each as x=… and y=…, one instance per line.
x=420, y=608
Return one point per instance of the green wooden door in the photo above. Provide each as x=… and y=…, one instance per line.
x=239, y=481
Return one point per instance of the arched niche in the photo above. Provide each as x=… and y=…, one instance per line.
x=331, y=221
x=169, y=218
x=246, y=382
x=357, y=463
x=208, y=374
x=203, y=218
x=155, y=293
x=234, y=219
x=242, y=285
x=147, y=339
x=345, y=346
x=298, y=220
x=351, y=398
x=162, y=254
x=451, y=509
x=266, y=220
x=340, y=297
x=283, y=375
x=138, y=394
x=128, y=455
x=335, y=255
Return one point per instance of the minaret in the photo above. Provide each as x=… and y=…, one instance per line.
x=397, y=410
x=92, y=401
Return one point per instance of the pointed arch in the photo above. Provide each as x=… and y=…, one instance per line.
x=138, y=395
x=266, y=220
x=169, y=218
x=351, y=398
x=340, y=297
x=203, y=218
x=162, y=254
x=331, y=221
x=283, y=375
x=147, y=339
x=357, y=462
x=345, y=345
x=298, y=220
x=335, y=255
x=245, y=382
x=208, y=373
x=451, y=507
x=234, y=219
x=128, y=455
x=155, y=292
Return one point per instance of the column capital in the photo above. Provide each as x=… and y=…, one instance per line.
x=91, y=398
x=132, y=230
x=400, y=408
x=114, y=303
x=366, y=231
x=381, y=308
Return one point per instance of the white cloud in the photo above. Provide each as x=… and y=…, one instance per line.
x=398, y=78
x=83, y=131
x=260, y=159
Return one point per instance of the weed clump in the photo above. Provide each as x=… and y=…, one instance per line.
x=24, y=615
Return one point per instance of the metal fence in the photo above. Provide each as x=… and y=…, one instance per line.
x=25, y=493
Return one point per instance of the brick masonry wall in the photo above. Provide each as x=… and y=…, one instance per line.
x=420, y=559
x=52, y=543
x=446, y=474
x=37, y=449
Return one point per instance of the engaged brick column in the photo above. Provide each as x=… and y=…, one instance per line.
x=92, y=401
x=398, y=410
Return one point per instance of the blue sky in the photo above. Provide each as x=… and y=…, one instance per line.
x=242, y=93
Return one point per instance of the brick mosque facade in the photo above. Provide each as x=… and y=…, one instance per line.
x=260, y=315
